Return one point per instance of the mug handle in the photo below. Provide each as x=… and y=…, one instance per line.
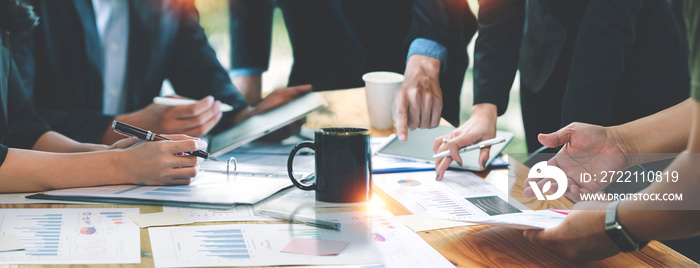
x=290, y=161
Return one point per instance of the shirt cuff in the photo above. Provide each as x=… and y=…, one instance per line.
x=429, y=48
x=245, y=72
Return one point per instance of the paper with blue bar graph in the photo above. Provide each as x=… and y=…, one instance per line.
x=208, y=190
x=71, y=236
x=253, y=245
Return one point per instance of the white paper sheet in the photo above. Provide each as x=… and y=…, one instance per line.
x=448, y=199
x=427, y=222
x=72, y=236
x=399, y=246
x=537, y=219
x=254, y=245
x=294, y=198
x=237, y=213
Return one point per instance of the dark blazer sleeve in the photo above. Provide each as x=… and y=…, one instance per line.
x=195, y=72
x=501, y=24
x=606, y=34
x=251, y=33
x=24, y=125
x=429, y=20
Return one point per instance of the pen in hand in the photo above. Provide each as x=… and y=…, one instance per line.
x=142, y=134
x=475, y=146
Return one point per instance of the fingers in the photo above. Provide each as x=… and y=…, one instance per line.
x=426, y=110
x=539, y=237
x=441, y=166
x=438, y=142
x=401, y=117
x=436, y=113
x=186, y=146
x=484, y=156
x=558, y=138
x=528, y=192
x=203, y=128
x=300, y=90
x=193, y=110
x=414, y=108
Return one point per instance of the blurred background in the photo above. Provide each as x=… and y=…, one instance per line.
x=214, y=20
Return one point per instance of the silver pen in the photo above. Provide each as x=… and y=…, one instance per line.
x=301, y=219
x=475, y=146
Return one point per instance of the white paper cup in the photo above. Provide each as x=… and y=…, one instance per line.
x=379, y=89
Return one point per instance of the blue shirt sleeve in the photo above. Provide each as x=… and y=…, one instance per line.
x=429, y=48
x=233, y=73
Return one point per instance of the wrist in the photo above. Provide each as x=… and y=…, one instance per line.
x=242, y=115
x=422, y=64
x=118, y=159
x=487, y=111
x=626, y=143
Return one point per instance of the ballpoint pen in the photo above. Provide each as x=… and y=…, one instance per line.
x=175, y=102
x=142, y=134
x=301, y=219
x=475, y=146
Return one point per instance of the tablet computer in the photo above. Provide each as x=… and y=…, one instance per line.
x=419, y=147
x=262, y=124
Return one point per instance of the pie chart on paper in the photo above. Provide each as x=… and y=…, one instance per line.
x=409, y=182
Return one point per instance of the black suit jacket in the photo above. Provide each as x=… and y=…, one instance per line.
x=617, y=60
x=62, y=62
x=20, y=126
x=335, y=42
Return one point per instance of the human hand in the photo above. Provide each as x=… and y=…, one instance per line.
x=250, y=87
x=587, y=149
x=581, y=236
x=162, y=162
x=277, y=98
x=194, y=119
x=124, y=143
x=418, y=100
x=480, y=126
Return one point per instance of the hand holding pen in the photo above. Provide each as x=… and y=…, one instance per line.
x=142, y=134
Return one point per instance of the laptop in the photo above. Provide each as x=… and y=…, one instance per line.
x=260, y=125
x=419, y=147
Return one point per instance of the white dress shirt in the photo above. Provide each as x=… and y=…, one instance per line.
x=112, y=20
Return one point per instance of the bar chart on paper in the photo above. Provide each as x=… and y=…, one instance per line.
x=251, y=245
x=71, y=236
x=459, y=196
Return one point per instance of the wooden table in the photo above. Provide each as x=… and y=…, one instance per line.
x=468, y=246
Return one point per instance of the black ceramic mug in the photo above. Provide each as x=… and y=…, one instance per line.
x=343, y=164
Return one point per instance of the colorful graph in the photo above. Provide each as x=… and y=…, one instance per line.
x=87, y=230
x=227, y=243
x=378, y=237
x=115, y=216
x=409, y=182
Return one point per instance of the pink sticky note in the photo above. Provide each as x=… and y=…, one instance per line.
x=315, y=247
